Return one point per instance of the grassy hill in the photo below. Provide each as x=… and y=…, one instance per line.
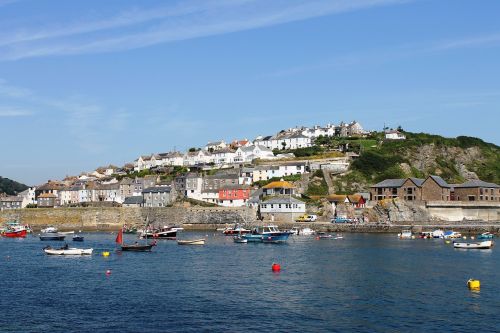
x=11, y=187
x=421, y=154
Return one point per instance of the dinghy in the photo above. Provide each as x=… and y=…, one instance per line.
x=474, y=245
x=67, y=251
x=191, y=242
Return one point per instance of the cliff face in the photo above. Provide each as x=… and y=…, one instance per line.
x=389, y=211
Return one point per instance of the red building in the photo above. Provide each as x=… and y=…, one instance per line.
x=234, y=195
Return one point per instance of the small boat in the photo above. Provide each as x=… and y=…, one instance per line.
x=267, y=234
x=191, y=242
x=17, y=231
x=163, y=233
x=425, y=235
x=136, y=247
x=68, y=251
x=66, y=232
x=338, y=237
x=451, y=235
x=486, y=235
x=77, y=238
x=323, y=235
x=236, y=230
x=474, y=245
x=438, y=234
x=294, y=231
x=239, y=239
x=405, y=234
x=49, y=230
x=306, y=232
x=52, y=237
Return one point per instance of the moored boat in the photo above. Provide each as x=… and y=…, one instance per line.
x=267, y=234
x=486, y=235
x=66, y=250
x=52, y=237
x=451, y=235
x=323, y=235
x=49, y=230
x=405, y=234
x=136, y=247
x=191, y=242
x=237, y=229
x=240, y=239
x=487, y=244
x=163, y=233
x=77, y=238
x=14, y=230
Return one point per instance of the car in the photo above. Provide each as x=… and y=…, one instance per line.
x=340, y=219
x=307, y=218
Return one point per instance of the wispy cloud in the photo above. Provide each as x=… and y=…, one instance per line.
x=9, y=111
x=138, y=28
x=7, y=2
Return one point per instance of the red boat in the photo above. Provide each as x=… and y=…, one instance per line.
x=15, y=233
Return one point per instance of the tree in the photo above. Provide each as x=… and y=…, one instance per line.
x=192, y=150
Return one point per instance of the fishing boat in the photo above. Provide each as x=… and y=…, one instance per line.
x=237, y=229
x=267, y=234
x=136, y=247
x=240, y=239
x=486, y=235
x=405, y=234
x=77, y=238
x=487, y=244
x=15, y=231
x=163, y=233
x=52, y=237
x=66, y=250
x=191, y=242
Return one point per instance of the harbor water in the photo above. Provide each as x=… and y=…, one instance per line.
x=362, y=283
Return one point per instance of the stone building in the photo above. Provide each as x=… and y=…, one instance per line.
x=433, y=188
x=47, y=200
x=12, y=202
x=157, y=196
x=476, y=190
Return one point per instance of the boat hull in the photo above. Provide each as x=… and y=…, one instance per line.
x=275, y=237
x=479, y=246
x=191, y=242
x=16, y=234
x=68, y=252
x=77, y=238
x=137, y=248
x=54, y=237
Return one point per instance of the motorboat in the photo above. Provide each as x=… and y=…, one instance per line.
x=66, y=250
x=486, y=235
x=66, y=232
x=240, y=239
x=306, y=232
x=77, y=238
x=338, y=237
x=237, y=229
x=438, y=234
x=425, y=235
x=487, y=244
x=49, y=230
x=52, y=237
x=267, y=234
x=452, y=235
x=191, y=242
x=15, y=231
x=294, y=231
x=405, y=234
x=163, y=233
x=323, y=235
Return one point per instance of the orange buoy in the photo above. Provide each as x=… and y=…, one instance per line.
x=276, y=267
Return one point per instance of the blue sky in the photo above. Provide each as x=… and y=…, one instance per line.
x=87, y=83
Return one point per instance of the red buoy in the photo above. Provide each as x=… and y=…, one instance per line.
x=276, y=267
x=108, y=272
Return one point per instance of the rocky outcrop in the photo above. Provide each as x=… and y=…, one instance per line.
x=389, y=211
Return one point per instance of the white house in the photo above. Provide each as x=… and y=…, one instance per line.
x=171, y=159
x=209, y=195
x=249, y=153
x=197, y=157
x=214, y=146
x=223, y=156
x=193, y=186
x=145, y=163
x=286, y=205
x=394, y=135
x=28, y=197
x=289, y=169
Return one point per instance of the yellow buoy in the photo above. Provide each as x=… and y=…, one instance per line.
x=465, y=237
x=105, y=254
x=474, y=284
x=471, y=237
x=447, y=241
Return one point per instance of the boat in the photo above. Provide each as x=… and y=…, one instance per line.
x=191, y=242
x=129, y=229
x=163, y=233
x=487, y=244
x=405, y=234
x=323, y=235
x=49, y=230
x=136, y=247
x=267, y=234
x=451, y=235
x=294, y=231
x=66, y=232
x=77, y=238
x=52, y=237
x=306, y=232
x=425, y=235
x=15, y=231
x=237, y=229
x=438, y=234
x=66, y=250
x=240, y=239
x=338, y=237
x=486, y=235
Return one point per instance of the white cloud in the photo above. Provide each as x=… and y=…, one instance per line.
x=144, y=27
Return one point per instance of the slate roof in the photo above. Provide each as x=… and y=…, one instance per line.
x=390, y=183
x=476, y=183
x=134, y=200
x=440, y=181
x=157, y=189
x=282, y=200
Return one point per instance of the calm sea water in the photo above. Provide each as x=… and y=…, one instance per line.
x=362, y=283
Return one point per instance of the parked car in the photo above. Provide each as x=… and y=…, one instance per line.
x=341, y=219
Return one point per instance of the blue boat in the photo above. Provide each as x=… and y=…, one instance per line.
x=486, y=235
x=267, y=234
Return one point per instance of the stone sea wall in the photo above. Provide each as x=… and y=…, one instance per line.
x=112, y=218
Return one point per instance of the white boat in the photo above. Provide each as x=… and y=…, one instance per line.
x=405, y=234
x=474, y=245
x=338, y=237
x=307, y=232
x=239, y=239
x=67, y=251
x=438, y=234
x=451, y=235
x=66, y=232
x=191, y=242
x=49, y=230
x=294, y=231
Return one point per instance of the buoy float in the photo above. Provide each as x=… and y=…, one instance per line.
x=465, y=237
x=105, y=254
x=276, y=267
x=474, y=284
x=108, y=272
x=471, y=237
x=317, y=238
x=447, y=241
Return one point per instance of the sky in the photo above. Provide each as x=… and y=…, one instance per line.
x=86, y=83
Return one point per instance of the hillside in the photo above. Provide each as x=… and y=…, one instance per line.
x=454, y=159
x=11, y=187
